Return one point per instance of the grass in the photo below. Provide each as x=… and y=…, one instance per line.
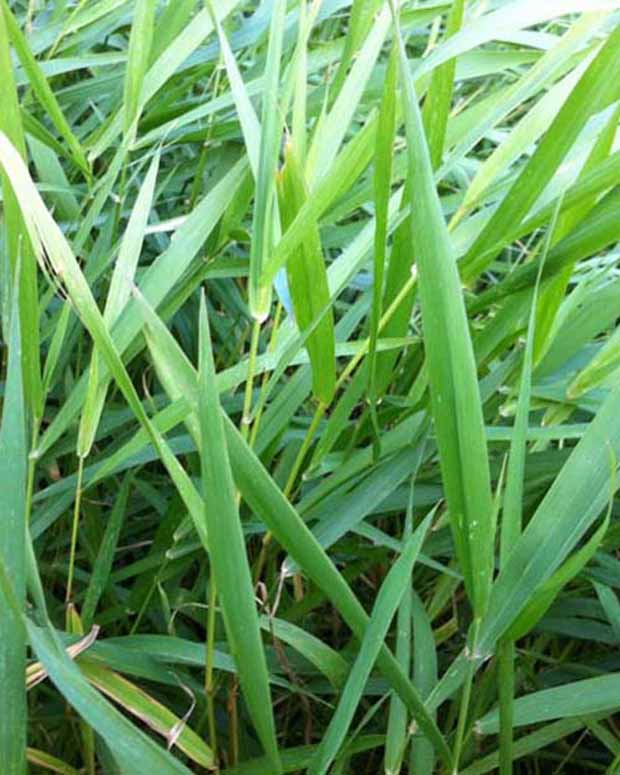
x=309, y=405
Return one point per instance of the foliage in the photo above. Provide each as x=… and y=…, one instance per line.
x=310, y=365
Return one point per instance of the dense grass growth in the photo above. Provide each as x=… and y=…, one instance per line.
x=310, y=386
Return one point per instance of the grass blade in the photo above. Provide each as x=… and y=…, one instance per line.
x=554, y=293
x=42, y=89
x=382, y=181
x=307, y=281
x=118, y=296
x=512, y=516
x=331, y=131
x=103, y=564
x=593, y=93
x=230, y=565
x=144, y=707
x=13, y=456
x=454, y=385
x=439, y=98
x=422, y=757
x=138, y=56
x=584, y=483
x=132, y=749
x=439, y=183
x=15, y=240
x=50, y=242
x=396, y=736
x=579, y=698
x=542, y=599
x=393, y=588
x=265, y=200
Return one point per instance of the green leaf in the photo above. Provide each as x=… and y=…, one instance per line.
x=228, y=555
x=347, y=167
x=148, y=710
x=296, y=759
x=157, y=282
x=162, y=69
x=392, y=590
x=396, y=737
x=307, y=281
x=512, y=513
x=15, y=243
x=578, y=698
x=556, y=288
x=611, y=606
x=118, y=296
x=593, y=92
x=422, y=758
x=105, y=557
x=382, y=181
x=42, y=89
x=265, y=200
x=512, y=508
x=541, y=600
x=131, y=748
x=13, y=529
x=331, y=131
x=439, y=97
x=50, y=241
x=361, y=19
x=457, y=408
x=572, y=503
x=49, y=762
x=597, y=232
x=138, y=56
x=605, y=363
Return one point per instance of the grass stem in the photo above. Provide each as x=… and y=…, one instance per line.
x=74, y=529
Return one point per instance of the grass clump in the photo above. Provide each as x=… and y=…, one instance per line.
x=310, y=429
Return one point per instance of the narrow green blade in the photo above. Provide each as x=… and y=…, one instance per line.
x=396, y=584
x=228, y=554
x=457, y=409
x=15, y=242
x=265, y=200
x=307, y=281
x=13, y=457
x=138, y=56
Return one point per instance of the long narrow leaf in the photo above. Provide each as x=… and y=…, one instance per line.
x=227, y=551
x=13, y=456
x=395, y=585
x=452, y=369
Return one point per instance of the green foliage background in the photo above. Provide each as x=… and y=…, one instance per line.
x=310, y=406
